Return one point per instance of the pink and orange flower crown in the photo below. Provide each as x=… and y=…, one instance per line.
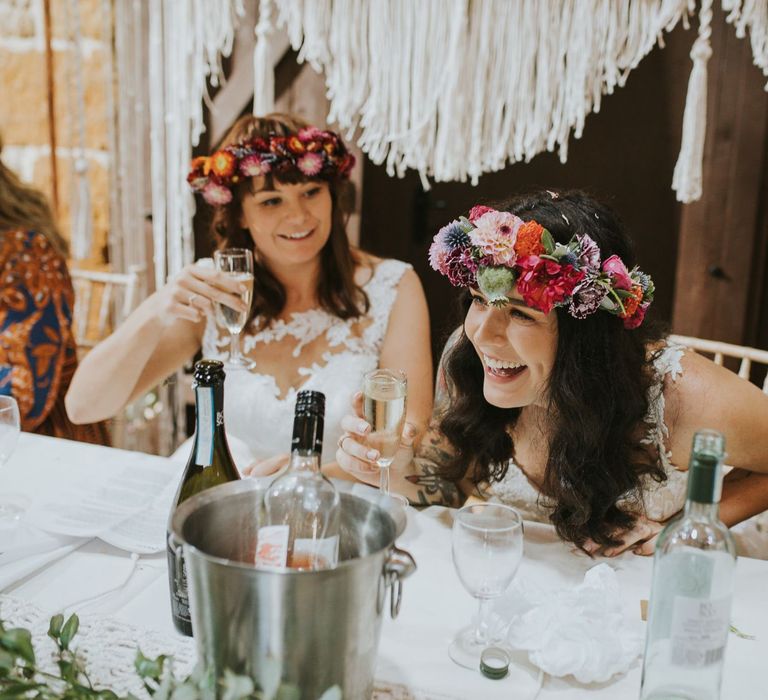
x=493, y=251
x=311, y=152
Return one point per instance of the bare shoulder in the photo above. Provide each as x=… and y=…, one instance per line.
x=365, y=265
x=706, y=395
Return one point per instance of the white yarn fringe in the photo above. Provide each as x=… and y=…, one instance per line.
x=457, y=88
x=686, y=180
x=186, y=45
x=751, y=15
x=263, y=67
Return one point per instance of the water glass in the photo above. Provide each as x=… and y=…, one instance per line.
x=487, y=549
x=236, y=263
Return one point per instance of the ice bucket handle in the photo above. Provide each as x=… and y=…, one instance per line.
x=398, y=566
x=175, y=546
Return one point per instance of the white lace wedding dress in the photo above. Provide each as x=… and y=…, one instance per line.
x=326, y=354
x=660, y=500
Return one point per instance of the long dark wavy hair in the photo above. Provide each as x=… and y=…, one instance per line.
x=336, y=290
x=597, y=393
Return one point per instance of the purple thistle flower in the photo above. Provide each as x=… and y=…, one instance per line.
x=454, y=236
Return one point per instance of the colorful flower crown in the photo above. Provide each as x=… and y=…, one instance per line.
x=492, y=251
x=312, y=152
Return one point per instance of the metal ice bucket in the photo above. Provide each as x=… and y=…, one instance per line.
x=311, y=631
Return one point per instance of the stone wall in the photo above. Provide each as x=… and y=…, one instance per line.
x=24, y=122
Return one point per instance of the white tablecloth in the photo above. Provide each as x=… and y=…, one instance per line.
x=95, y=579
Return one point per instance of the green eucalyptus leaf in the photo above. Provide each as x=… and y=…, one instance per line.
x=69, y=630
x=236, y=687
x=149, y=668
x=107, y=695
x=6, y=662
x=548, y=242
x=54, y=628
x=19, y=641
x=16, y=689
x=465, y=224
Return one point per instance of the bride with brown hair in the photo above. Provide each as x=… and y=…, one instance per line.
x=323, y=313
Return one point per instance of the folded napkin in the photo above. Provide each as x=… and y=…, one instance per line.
x=580, y=631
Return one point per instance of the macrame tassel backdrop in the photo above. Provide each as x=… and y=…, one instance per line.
x=752, y=16
x=263, y=65
x=457, y=88
x=81, y=231
x=686, y=180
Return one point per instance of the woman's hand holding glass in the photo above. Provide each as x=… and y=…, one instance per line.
x=358, y=458
x=192, y=293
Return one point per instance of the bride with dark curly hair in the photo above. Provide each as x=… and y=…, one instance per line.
x=556, y=397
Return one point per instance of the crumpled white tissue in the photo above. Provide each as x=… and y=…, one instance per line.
x=579, y=631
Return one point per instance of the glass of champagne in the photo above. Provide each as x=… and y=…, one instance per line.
x=236, y=263
x=487, y=550
x=384, y=394
x=10, y=427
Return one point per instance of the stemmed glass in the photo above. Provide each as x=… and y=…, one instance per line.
x=10, y=426
x=236, y=263
x=384, y=399
x=487, y=550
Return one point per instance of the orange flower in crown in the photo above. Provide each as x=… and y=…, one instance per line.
x=312, y=152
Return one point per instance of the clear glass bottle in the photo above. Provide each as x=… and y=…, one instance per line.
x=210, y=464
x=690, y=604
x=302, y=509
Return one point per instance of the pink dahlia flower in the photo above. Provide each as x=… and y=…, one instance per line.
x=310, y=164
x=496, y=235
x=253, y=166
x=217, y=195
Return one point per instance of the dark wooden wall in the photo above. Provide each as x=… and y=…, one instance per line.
x=626, y=157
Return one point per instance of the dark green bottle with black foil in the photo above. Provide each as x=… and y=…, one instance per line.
x=210, y=464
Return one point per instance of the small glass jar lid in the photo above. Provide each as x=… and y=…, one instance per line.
x=494, y=663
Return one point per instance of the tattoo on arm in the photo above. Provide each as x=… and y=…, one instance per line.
x=433, y=488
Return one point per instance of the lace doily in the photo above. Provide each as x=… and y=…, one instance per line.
x=109, y=648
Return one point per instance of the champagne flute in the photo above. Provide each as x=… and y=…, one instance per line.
x=10, y=427
x=487, y=550
x=384, y=398
x=236, y=263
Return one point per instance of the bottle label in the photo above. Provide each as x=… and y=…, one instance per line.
x=205, y=426
x=315, y=553
x=272, y=547
x=699, y=631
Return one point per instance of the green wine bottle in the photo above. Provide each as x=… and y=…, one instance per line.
x=210, y=464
